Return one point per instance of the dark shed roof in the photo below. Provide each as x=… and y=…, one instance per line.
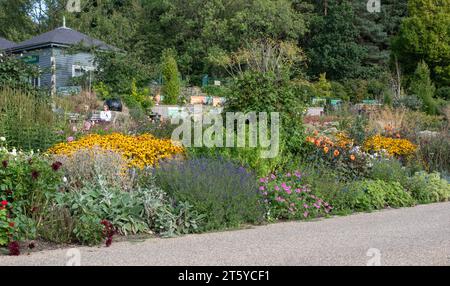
x=61, y=37
x=5, y=44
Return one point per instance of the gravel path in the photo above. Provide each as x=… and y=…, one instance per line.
x=409, y=236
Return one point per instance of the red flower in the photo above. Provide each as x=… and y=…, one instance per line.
x=12, y=224
x=56, y=166
x=4, y=203
x=35, y=175
x=14, y=248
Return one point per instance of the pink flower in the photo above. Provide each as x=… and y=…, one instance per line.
x=262, y=180
x=288, y=191
x=305, y=206
x=298, y=191
x=288, y=175
x=283, y=185
x=292, y=204
x=277, y=188
x=70, y=139
x=265, y=193
x=262, y=188
x=305, y=214
x=273, y=177
x=298, y=174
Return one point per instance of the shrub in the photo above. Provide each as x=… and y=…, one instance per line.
x=428, y=188
x=123, y=209
x=423, y=87
x=435, y=152
x=5, y=226
x=139, y=211
x=265, y=92
x=57, y=225
x=171, y=80
x=370, y=195
x=286, y=197
x=167, y=218
x=415, y=121
x=222, y=191
x=338, y=154
x=86, y=166
x=328, y=184
x=88, y=230
x=141, y=151
x=26, y=181
x=390, y=170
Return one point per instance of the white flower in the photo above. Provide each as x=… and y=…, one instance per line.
x=65, y=180
x=14, y=152
x=2, y=139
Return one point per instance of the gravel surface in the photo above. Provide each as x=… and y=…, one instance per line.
x=409, y=236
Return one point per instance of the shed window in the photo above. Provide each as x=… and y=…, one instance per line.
x=80, y=70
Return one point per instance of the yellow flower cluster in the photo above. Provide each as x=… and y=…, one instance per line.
x=395, y=147
x=141, y=151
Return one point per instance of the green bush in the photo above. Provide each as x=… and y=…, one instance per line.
x=327, y=184
x=123, y=209
x=171, y=88
x=26, y=182
x=371, y=195
x=435, y=152
x=390, y=170
x=88, y=230
x=138, y=211
x=221, y=190
x=428, y=188
x=423, y=87
x=265, y=92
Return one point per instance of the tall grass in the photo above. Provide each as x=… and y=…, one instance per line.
x=26, y=120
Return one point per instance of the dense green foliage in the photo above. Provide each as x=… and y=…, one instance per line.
x=363, y=51
x=171, y=78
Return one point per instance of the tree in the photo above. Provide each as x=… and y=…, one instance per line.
x=171, y=79
x=16, y=73
x=333, y=46
x=323, y=87
x=15, y=22
x=423, y=88
x=116, y=71
x=425, y=36
x=198, y=29
x=263, y=55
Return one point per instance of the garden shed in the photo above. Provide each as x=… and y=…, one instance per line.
x=58, y=63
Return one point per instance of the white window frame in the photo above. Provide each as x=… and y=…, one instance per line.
x=83, y=69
